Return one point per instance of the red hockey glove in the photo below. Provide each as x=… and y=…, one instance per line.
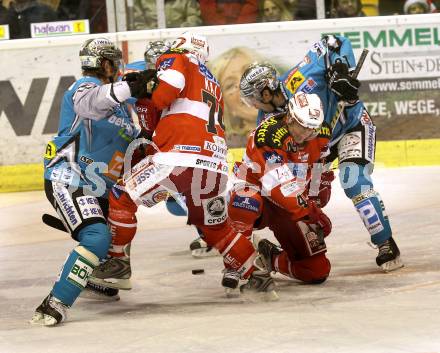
x=325, y=189
x=316, y=216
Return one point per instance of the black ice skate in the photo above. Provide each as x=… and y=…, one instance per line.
x=230, y=278
x=98, y=292
x=230, y=281
x=199, y=248
x=260, y=283
x=267, y=251
x=389, y=256
x=50, y=312
x=113, y=273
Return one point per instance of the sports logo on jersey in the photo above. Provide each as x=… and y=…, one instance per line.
x=205, y=72
x=365, y=119
x=303, y=157
x=370, y=142
x=187, y=148
x=166, y=63
x=290, y=188
x=299, y=170
x=294, y=80
x=160, y=195
x=80, y=272
x=51, y=150
x=305, y=61
x=246, y=203
x=325, y=131
x=309, y=85
x=89, y=207
x=86, y=160
x=272, y=157
x=370, y=217
x=319, y=48
x=115, y=166
x=215, y=210
x=221, y=151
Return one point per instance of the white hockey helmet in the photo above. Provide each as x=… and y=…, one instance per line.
x=196, y=44
x=306, y=110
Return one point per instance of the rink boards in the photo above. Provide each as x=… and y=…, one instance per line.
x=26, y=177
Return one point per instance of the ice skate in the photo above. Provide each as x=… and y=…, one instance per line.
x=230, y=281
x=199, y=249
x=113, y=273
x=260, y=284
x=98, y=292
x=50, y=312
x=389, y=256
x=267, y=251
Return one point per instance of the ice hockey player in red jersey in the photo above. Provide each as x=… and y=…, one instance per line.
x=190, y=159
x=272, y=190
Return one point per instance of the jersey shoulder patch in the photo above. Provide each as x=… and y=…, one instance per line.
x=271, y=132
x=325, y=131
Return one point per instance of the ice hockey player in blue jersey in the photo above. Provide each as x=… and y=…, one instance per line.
x=83, y=161
x=326, y=70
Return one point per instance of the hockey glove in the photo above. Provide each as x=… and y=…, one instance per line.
x=316, y=216
x=341, y=82
x=139, y=82
x=325, y=189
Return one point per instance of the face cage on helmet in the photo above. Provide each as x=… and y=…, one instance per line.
x=252, y=99
x=153, y=52
x=268, y=82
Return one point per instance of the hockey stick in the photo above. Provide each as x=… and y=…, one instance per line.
x=342, y=105
x=53, y=222
x=360, y=63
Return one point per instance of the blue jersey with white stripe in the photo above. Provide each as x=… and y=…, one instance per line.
x=93, y=128
x=309, y=76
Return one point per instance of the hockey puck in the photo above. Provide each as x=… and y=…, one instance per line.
x=198, y=271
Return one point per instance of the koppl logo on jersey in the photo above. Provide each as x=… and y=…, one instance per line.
x=4, y=32
x=49, y=29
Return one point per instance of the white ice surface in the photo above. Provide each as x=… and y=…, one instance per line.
x=359, y=309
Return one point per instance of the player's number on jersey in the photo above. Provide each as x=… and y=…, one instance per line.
x=210, y=99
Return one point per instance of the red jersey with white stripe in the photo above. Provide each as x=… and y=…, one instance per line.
x=279, y=168
x=190, y=132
